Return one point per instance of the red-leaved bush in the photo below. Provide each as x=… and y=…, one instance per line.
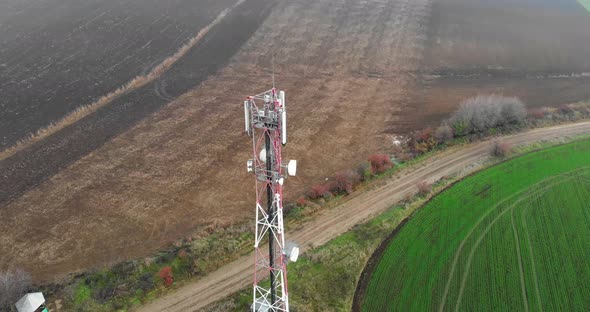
x=344, y=181
x=301, y=201
x=319, y=190
x=380, y=163
x=537, y=114
x=423, y=135
x=166, y=275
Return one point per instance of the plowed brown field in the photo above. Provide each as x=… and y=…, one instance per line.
x=354, y=71
x=346, y=66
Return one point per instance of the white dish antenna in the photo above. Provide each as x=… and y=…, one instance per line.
x=294, y=254
x=292, y=168
x=292, y=251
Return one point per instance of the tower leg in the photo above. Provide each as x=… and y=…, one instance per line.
x=271, y=215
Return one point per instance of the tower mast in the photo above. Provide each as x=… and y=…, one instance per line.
x=265, y=122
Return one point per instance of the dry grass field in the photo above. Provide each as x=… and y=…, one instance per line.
x=354, y=71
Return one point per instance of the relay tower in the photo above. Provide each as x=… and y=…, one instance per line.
x=265, y=122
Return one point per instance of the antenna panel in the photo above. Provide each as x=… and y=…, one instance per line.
x=248, y=126
x=282, y=98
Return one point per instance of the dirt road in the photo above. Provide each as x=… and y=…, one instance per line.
x=358, y=208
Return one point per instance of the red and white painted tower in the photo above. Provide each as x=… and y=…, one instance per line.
x=266, y=123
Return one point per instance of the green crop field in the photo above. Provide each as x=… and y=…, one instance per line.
x=514, y=237
x=585, y=4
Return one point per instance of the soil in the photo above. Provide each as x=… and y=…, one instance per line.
x=58, y=55
x=30, y=167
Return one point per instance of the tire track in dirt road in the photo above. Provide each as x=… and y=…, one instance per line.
x=356, y=209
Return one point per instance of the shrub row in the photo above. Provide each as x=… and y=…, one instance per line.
x=482, y=116
x=344, y=181
x=130, y=282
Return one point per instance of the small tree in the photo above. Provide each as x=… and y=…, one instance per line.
x=407, y=198
x=565, y=110
x=103, y=292
x=166, y=276
x=364, y=170
x=423, y=147
x=484, y=113
x=443, y=134
x=537, y=114
x=423, y=135
x=301, y=202
x=13, y=285
x=319, y=190
x=424, y=188
x=145, y=282
x=380, y=163
x=344, y=181
x=500, y=149
x=423, y=141
x=404, y=156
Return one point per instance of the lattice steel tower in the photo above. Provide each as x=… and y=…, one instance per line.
x=266, y=123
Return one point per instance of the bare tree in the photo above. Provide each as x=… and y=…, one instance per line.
x=483, y=113
x=443, y=133
x=513, y=111
x=424, y=188
x=500, y=149
x=13, y=285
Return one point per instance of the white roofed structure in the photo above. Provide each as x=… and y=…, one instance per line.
x=30, y=302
